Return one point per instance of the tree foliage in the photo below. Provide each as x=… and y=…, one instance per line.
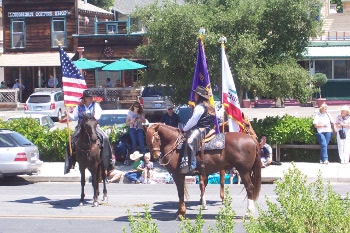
x=105, y=4
x=264, y=38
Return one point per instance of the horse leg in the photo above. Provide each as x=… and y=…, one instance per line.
x=179, y=180
x=95, y=184
x=82, y=183
x=222, y=185
x=249, y=187
x=105, y=198
x=203, y=181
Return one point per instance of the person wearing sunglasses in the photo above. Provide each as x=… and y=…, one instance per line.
x=134, y=119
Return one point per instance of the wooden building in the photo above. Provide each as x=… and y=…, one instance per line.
x=33, y=29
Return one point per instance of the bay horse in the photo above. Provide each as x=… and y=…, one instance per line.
x=88, y=156
x=240, y=151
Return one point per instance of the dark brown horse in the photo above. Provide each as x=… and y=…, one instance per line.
x=88, y=156
x=240, y=151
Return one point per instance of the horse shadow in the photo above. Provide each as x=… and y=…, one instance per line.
x=166, y=211
x=66, y=204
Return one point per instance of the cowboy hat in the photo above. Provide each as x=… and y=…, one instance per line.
x=200, y=90
x=135, y=155
x=86, y=93
x=345, y=108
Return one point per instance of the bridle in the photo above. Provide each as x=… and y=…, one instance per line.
x=180, y=139
x=89, y=144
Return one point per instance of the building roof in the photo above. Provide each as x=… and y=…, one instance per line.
x=127, y=6
x=91, y=8
x=327, y=52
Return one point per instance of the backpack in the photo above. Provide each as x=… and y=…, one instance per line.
x=122, y=147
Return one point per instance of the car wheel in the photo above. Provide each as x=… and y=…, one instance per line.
x=59, y=115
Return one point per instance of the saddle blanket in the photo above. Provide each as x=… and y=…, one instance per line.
x=217, y=143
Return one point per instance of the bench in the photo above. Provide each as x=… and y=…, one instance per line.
x=127, y=97
x=293, y=146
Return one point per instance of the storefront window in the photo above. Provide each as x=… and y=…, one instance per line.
x=324, y=67
x=58, y=32
x=18, y=33
x=340, y=69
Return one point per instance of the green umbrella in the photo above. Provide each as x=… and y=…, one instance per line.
x=84, y=64
x=123, y=64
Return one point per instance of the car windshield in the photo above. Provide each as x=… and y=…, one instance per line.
x=39, y=99
x=16, y=118
x=21, y=141
x=152, y=91
x=111, y=119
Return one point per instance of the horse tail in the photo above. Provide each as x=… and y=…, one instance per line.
x=255, y=175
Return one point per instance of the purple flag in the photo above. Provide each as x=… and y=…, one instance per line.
x=201, y=78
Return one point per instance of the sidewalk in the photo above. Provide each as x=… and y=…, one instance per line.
x=333, y=172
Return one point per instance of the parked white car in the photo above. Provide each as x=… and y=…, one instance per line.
x=43, y=120
x=49, y=103
x=19, y=156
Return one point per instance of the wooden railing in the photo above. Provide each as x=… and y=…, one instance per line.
x=333, y=36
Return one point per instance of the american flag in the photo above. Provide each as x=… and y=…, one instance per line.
x=73, y=82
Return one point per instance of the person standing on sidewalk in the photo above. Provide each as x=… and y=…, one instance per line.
x=343, y=123
x=323, y=123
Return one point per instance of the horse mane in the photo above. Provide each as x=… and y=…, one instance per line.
x=248, y=128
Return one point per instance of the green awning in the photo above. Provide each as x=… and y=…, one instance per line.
x=327, y=52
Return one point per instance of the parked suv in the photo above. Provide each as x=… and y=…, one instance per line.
x=155, y=100
x=50, y=103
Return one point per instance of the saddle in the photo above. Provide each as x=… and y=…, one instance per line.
x=214, y=142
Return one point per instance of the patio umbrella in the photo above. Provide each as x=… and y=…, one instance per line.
x=84, y=64
x=123, y=64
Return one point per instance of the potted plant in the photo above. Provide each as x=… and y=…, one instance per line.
x=319, y=80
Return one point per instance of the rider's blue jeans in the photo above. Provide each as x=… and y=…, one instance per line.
x=323, y=139
x=136, y=135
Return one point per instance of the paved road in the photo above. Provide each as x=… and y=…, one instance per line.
x=53, y=207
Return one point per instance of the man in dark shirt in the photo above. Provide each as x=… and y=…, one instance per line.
x=171, y=118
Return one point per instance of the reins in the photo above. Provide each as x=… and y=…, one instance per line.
x=89, y=144
x=180, y=139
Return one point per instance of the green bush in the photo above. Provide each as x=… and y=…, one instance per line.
x=301, y=207
x=287, y=130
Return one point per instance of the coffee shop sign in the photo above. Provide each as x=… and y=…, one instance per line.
x=37, y=14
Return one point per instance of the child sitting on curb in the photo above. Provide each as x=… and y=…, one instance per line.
x=147, y=169
x=136, y=171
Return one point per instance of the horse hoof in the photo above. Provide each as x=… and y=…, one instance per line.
x=105, y=199
x=81, y=204
x=95, y=204
x=205, y=208
x=179, y=218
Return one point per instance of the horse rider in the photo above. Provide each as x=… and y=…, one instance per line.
x=200, y=123
x=88, y=106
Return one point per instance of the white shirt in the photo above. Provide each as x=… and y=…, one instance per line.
x=98, y=111
x=323, y=119
x=197, y=113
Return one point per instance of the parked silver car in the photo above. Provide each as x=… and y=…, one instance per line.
x=155, y=100
x=18, y=155
x=50, y=103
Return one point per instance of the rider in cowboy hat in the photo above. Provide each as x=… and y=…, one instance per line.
x=200, y=123
x=88, y=106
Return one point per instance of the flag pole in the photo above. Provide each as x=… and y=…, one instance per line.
x=223, y=40
x=69, y=138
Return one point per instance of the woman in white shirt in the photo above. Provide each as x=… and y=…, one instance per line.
x=322, y=123
x=343, y=122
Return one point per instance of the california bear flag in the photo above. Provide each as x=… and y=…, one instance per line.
x=230, y=97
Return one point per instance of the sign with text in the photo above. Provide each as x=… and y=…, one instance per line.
x=25, y=14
